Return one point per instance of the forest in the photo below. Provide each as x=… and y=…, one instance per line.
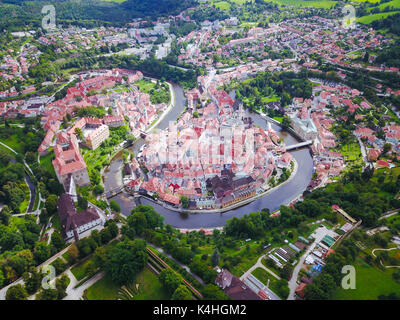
x=15, y=14
x=391, y=23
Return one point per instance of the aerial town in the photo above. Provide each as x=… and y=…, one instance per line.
x=202, y=150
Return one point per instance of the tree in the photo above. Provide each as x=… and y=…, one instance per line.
x=126, y=260
x=185, y=202
x=105, y=235
x=286, y=271
x=57, y=241
x=170, y=280
x=21, y=261
x=41, y=252
x=182, y=293
x=82, y=203
x=213, y=292
x=16, y=292
x=112, y=226
x=100, y=257
x=32, y=280
x=286, y=122
x=47, y=294
x=396, y=275
x=5, y=215
x=2, y=278
x=59, y=265
x=322, y=288
x=72, y=254
x=90, y=269
x=61, y=286
x=51, y=204
x=99, y=189
x=215, y=258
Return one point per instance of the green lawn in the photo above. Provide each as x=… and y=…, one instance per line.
x=24, y=204
x=270, y=99
x=351, y=152
x=46, y=162
x=104, y=289
x=370, y=283
x=13, y=142
x=248, y=259
x=66, y=256
x=383, y=6
x=158, y=93
x=150, y=288
x=79, y=271
x=222, y=5
x=389, y=174
x=326, y=4
x=372, y=17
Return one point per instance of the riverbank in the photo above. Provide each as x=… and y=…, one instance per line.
x=166, y=111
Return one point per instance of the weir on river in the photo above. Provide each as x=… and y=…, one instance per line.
x=273, y=200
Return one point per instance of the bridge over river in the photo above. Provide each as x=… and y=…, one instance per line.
x=299, y=145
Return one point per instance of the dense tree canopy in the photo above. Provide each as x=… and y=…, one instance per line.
x=126, y=260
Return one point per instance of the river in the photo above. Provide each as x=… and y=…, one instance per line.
x=281, y=196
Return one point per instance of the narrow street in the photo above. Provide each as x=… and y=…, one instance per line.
x=259, y=264
x=318, y=235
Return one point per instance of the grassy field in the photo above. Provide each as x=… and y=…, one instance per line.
x=46, y=162
x=223, y=5
x=279, y=119
x=104, y=289
x=389, y=174
x=325, y=4
x=351, y=152
x=158, y=94
x=372, y=17
x=150, y=288
x=383, y=6
x=24, y=204
x=370, y=283
x=13, y=142
x=79, y=271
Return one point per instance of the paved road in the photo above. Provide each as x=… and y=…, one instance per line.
x=258, y=264
x=389, y=214
x=31, y=172
x=318, y=235
x=77, y=293
x=363, y=150
x=381, y=249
